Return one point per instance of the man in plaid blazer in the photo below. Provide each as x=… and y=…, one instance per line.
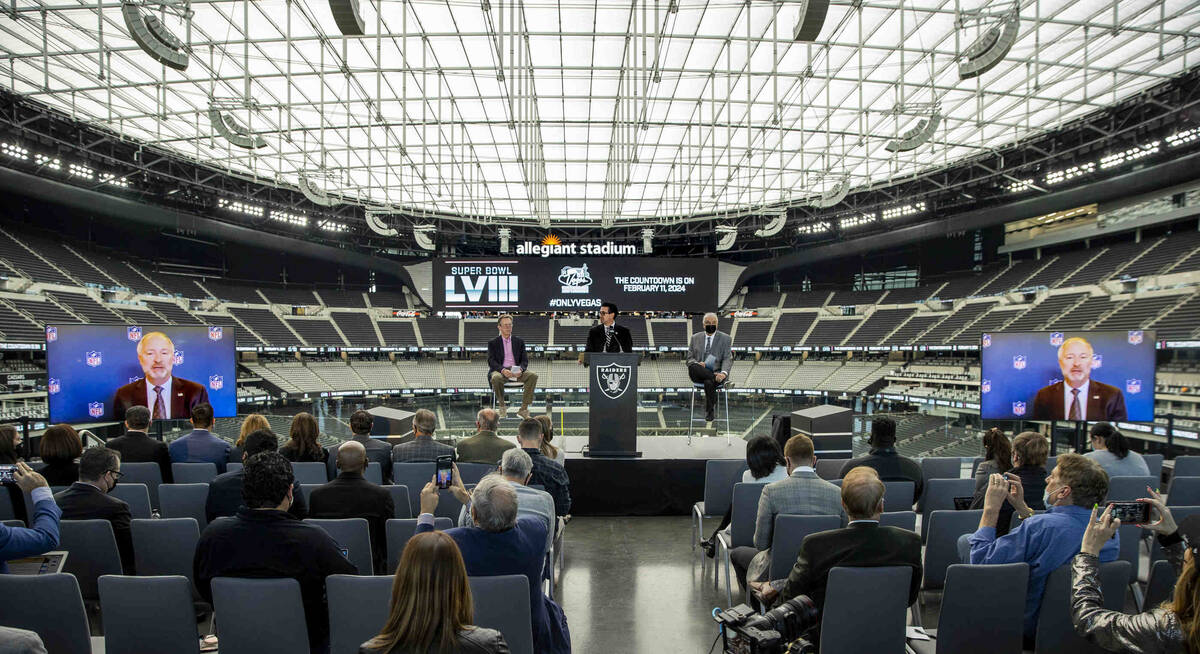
x=802, y=493
x=422, y=448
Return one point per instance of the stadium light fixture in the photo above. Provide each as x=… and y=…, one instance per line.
x=47, y=161
x=810, y=20
x=1132, y=154
x=903, y=210
x=917, y=136
x=990, y=48
x=726, y=236
x=233, y=131
x=1059, y=176
x=1185, y=136
x=834, y=195
x=856, y=220
x=818, y=227
x=773, y=226
x=241, y=207
x=345, y=14
x=14, y=151
x=153, y=37
x=332, y=225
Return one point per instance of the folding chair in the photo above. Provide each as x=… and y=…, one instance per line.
x=193, y=473
x=246, y=624
x=852, y=593
x=51, y=607
x=1055, y=630
x=997, y=591
x=148, y=614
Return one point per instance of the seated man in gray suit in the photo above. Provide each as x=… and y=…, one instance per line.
x=709, y=361
x=802, y=493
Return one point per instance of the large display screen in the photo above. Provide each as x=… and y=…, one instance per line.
x=95, y=372
x=1071, y=375
x=575, y=284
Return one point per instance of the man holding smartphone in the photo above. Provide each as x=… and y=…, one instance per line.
x=43, y=536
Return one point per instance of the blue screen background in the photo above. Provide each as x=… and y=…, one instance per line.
x=80, y=384
x=1122, y=362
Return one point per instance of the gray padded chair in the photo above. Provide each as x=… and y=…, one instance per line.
x=1185, y=491
x=400, y=501
x=495, y=609
x=137, y=496
x=471, y=473
x=354, y=535
x=1055, y=631
x=902, y=519
x=1128, y=489
x=7, y=511
x=852, y=593
x=719, y=477
x=997, y=591
x=1051, y=464
x=164, y=547
x=1161, y=585
x=126, y=604
x=358, y=607
x=940, y=493
x=789, y=532
x=937, y=467
x=1130, y=537
x=193, y=473
x=310, y=472
x=374, y=473
x=741, y=528
x=233, y=467
x=415, y=476
x=184, y=501
x=1155, y=463
x=398, y=534
x=241, y=615
x=942, y=550
x=143, y=472
x=975, y=465
x=93, y=553
x=1186, y=466
x=306, y=490
x=830, y=469
x=51, y=607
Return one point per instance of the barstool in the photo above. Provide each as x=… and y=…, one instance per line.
x=508, y=386
x=721, y=393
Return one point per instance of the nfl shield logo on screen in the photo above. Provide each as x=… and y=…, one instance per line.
x=1018, y=408
x=53, y=386
x=986, y=386
x=178, y=357
x=1056, y=338
x=1133, y=386
x=987, y=340
x=134, y=333
x=1135, y=337
x=95, y=409
x=1097, y=361
x=1019, y=362
x=216, y=382
x=51, y=334
x=94, y=358
x=215, y=332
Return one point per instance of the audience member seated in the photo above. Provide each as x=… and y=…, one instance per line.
x=1169, y=627
x=10, y=444
x=59, y=448
x=431, y=608
x=201, y=445
x=800, y=492
x=547, y=473
x=1048, y=540
x=20, y=641
x=225, y=492
x=884, y=459
x=88, y=498
x=18, y=542
x=485, y=446
x=997, y=459
x=302, y=445
x=252, y=423
x=1028, y=460
x=549, y=450
x=862, y=543
x=265, y=540
x=1111, y=450
x=377, y=450
x=764, y=465
x=504, y=544
x=516, y=467
x=352, y=496
x=136, y=446
x=422, y=448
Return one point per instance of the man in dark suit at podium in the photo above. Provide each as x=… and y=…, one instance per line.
x=609, y=336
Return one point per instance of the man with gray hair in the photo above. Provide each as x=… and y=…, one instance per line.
x=709, y=361
x=516, y=467
x=504, y=543
x=422, y=448
x=485, y=446
x=136, y=446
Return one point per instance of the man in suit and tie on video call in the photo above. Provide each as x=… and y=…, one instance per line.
x=709, y=360
x=1078, y=396
x=166, y=396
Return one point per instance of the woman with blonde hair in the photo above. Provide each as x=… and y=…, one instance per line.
x=302, y=445
x=250, y=424
x=431, y=609
x=548, y=450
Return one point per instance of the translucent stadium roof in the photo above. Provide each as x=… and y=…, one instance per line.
x=577, y=111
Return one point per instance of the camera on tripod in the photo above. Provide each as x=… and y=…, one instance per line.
x=779, y=630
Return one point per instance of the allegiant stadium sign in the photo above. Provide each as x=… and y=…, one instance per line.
x=552, y=247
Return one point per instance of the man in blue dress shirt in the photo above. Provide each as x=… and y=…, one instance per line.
x=1046, y=541
x=18, y=542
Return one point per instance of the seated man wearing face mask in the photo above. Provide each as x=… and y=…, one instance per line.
x=709, y=361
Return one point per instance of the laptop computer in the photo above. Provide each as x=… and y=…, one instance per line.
x=42, y=564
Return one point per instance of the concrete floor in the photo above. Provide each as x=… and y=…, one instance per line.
x=634, y=585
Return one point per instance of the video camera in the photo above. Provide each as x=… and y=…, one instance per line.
x=779, y=630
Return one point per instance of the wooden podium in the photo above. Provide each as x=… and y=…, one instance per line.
x=612, y=405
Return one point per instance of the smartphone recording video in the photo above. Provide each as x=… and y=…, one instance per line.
x=1130, y=512
x=8, y=474
x=444, y=471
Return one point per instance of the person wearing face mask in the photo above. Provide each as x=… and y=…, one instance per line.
x=88, y=498
x=1028, y=458
x=264, y=540
x=1046, y=541
x=709, y=360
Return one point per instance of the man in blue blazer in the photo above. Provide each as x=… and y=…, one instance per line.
x=18, y=542
x=508, y=362
x=501, y=543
